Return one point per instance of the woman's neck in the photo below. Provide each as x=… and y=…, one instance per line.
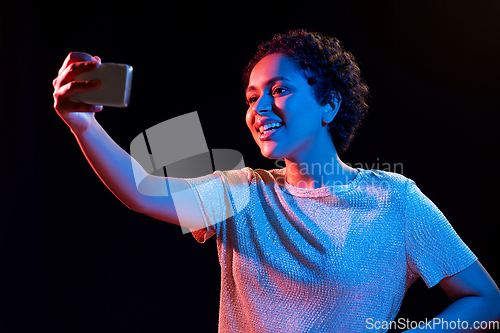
x=322, y=168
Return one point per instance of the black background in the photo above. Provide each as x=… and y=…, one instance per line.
x=75, y=259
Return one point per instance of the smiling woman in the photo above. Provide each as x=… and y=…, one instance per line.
x=300, y=249
x=325, y=251
x=328, y=69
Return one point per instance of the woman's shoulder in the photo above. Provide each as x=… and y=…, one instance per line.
x=382, y=175
x=391, y=181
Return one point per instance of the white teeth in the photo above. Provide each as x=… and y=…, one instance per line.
x=266, y=127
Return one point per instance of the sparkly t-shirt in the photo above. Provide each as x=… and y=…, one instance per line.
x=330, y=259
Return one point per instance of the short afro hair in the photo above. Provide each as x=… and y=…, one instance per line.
x=328, y=68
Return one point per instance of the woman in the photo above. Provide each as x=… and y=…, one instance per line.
x=304, y=248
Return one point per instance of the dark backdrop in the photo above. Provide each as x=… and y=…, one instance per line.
x=74, y=259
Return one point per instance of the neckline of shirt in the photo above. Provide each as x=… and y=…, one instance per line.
x=321, y=191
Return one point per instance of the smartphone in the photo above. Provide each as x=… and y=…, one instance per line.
x=116, y=85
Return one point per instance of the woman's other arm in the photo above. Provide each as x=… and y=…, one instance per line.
x=476, y=303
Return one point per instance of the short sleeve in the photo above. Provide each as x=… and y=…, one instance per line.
x=220, y=196
x=433, y=248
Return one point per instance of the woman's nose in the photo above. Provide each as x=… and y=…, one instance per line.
x=263, y=104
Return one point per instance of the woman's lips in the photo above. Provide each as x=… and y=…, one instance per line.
x=267, y=135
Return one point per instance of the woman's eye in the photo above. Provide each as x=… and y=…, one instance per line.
x=252, y=100
x=278, y=90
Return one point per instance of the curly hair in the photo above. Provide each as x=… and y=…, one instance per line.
x=328, y=69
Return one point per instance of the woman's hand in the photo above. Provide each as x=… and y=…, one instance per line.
x=78, y=116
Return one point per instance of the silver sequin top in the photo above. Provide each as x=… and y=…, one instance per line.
x=331, y=259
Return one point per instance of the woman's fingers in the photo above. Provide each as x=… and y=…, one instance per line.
x=71, y=71
x=62, y=101
x=76, y=57
x=78, y=116
x=74, y=87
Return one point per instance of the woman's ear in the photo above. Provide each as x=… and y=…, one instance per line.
x=332, y=107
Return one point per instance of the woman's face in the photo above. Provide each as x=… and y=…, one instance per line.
x=278, y=93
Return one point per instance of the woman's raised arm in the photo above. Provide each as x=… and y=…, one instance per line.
x=114, y=166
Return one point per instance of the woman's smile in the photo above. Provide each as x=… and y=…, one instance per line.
x=268, y=134
x=284, y=117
